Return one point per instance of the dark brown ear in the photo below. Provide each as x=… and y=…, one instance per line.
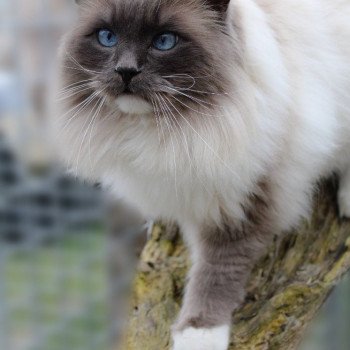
x=219, y=5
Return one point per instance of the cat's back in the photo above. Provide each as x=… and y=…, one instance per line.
x=313, y=37
x=338, y=16
x=315, y=23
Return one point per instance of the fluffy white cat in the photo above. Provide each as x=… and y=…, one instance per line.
x=219, y=115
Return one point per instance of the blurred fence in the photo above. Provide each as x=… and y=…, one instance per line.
x=53, y=245
x=53, y=272
x=63, y=280
x=39, y=207
x=53, y=296
x=62, y=275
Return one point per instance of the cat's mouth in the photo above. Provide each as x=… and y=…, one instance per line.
x=131, y=103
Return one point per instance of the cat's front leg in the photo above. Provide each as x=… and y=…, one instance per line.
x=223, y=259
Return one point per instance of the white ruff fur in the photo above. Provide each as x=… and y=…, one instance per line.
x=202, y=339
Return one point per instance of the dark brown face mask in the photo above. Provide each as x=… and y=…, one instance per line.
x=145, y=48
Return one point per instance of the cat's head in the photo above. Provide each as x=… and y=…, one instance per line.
x=142, y=55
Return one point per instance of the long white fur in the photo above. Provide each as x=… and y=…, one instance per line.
x=289, y=122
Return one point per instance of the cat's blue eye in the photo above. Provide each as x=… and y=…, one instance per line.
x=107, y=38
x=165, y=41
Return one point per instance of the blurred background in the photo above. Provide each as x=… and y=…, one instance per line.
x=61, y=274
x=60, y=262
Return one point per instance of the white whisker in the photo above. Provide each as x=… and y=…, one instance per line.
x=157, y=111
x=189, y=156
x=187, y=148
x=81, y=106
x=79, y=65
x=74, y=92
x=77, y=83
x=157, y=121
x=182, y=75
x=169, y=126
x=203, y=140
x=189, y=76
x=203, y=92
x=93, y=113
x=193, y=98
x=199, y=112
x=92, y=128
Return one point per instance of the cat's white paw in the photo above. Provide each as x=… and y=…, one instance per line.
x=344, y=203
x=202, y=338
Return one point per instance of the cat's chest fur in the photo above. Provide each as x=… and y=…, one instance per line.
x=171, y=175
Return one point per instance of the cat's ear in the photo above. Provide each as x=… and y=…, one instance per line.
x=219, y=5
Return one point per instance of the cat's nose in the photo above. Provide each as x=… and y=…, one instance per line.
x=127, y=73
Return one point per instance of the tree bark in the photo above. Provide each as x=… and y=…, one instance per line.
x=286, y=289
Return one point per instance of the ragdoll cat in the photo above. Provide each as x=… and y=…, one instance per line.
x=220, y=115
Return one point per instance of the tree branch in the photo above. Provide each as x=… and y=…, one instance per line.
x=286, y=288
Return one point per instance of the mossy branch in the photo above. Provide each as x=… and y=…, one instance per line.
x=285, y=291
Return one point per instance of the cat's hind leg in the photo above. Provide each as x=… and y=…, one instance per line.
x=344, y=194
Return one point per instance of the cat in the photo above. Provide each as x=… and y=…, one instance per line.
x=219, y=115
